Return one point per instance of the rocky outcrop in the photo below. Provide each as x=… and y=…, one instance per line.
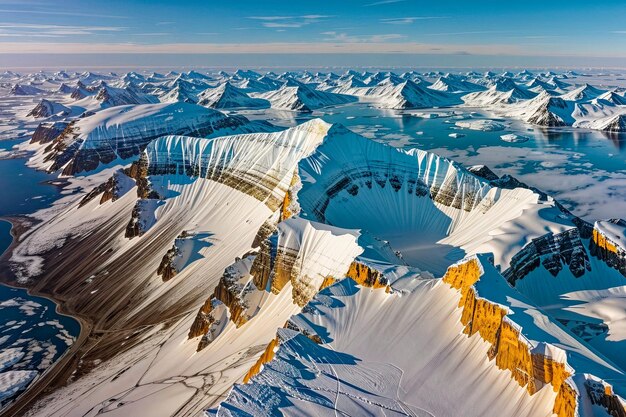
x=46, y=132
x=138, y=171
x=47, y=108
x=167, y=268
x=367, y=276
x=107, y=189
x=547, y=112
x=483, y=171
x=532, y=364
x=606, y=246
x=601, y=394
x=553, y=252
x=201, y=324
x=616, y=124
x=267, y=356
x=230, y=293
x=290, y=205
x=306, y=255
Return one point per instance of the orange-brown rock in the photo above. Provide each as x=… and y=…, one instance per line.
x=463, y=275
x=201, y=324
x=612, y=253
x=366, y=276
x=223, y=293
x=328, y=281
x=547, y=370
x=566, y=401
x=508, y=347
x=479, y=315
x=286, y=209
x=512, y=353
x=602, y=242
x=267, y=356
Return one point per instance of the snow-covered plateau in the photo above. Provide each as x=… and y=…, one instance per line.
x=234, y=245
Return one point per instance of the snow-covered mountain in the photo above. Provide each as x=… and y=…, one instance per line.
x=224, y=266
x=47, y=108
x=300, y=97
x=122, y=132
x=227, y=96
x=409, y=95
x=287, y=261
x=24, y=90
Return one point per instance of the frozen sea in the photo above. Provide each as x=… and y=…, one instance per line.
x=32, y=334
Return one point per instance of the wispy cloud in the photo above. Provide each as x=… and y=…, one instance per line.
x=364, y=44
x=409, y=20
x=289, y=21
x=621, y=32
x=62, y=13
x=152, y=34
x=471, y=32
x=382, y=2
x=379, y=38
x=46, y=31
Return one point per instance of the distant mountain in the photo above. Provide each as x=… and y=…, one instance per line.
x=25, y=90
x=47, y=108
x=227, y=96
x=303, y=98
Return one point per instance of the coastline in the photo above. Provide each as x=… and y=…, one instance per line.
x=62, y=368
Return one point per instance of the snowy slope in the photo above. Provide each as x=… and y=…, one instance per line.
x=123, y=131
x=228, y=96
x=303, y=98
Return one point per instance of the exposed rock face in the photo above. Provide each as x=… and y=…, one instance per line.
x=601, y=394
x=46, y=132
x=202, y=322
x=267, y=356
x=553, y=252
x=531, y=366
x=80, y=91
x=166, y=270
x=107, y=189
x=616, y=124
x=605, y=245
x=309, y=256
x=366, y=276
x=46, y=108
x=290, y=205
x=483, y=171
x=139, y=172
x=547, y=111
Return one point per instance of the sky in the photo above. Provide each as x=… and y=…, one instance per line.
x=574, y=31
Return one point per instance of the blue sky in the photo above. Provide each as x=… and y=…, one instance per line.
x=526, y=28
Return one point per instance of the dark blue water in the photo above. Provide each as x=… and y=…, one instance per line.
x=29, y=325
